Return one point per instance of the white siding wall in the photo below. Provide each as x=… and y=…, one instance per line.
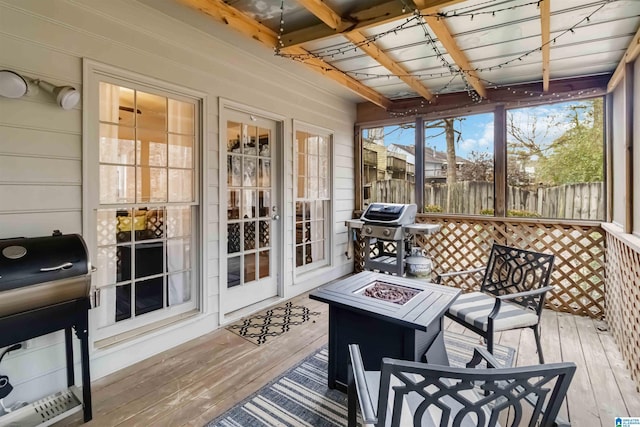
x=41, y=156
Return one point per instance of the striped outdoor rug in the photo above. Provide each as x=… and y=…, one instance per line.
x=300, y=396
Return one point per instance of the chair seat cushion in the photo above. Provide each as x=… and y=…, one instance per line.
x=474, y=309
x=432, y=417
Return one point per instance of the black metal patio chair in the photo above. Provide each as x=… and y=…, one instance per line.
x=511, y=296
x=418, y=394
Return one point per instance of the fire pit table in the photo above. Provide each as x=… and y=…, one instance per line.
x=388, y=316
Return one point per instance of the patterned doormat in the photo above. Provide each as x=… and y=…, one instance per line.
x=271, y=323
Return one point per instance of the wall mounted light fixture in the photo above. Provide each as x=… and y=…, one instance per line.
x=13, y=85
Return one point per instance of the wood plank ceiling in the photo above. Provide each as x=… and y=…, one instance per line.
x=392, y=51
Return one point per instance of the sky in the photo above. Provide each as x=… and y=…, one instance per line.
x=476, y=131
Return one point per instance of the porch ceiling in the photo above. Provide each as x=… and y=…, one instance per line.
x=392, y=50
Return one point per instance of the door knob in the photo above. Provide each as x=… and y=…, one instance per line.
x=276, y=217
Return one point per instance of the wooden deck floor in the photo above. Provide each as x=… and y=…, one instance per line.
x=193, y=383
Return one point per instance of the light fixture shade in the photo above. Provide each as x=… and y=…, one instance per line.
x=67, y=97
x=12, y=85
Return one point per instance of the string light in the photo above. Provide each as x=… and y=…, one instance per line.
x=417, y=20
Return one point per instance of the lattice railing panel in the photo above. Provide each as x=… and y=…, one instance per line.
x=578, y=274
x=623, y=301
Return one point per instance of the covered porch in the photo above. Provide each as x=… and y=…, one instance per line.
x=212, y=178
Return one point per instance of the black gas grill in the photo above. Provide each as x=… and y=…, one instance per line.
x=389, y=230
x=44, y=287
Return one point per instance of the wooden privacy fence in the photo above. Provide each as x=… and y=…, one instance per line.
x=465, y=242
x=569, y=201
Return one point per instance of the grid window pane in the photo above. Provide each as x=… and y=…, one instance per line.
x=313, y=192
x=146, y=154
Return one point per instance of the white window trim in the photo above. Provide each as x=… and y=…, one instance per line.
x=328, y=262
x=93, y=72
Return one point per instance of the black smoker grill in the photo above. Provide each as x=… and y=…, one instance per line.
x=44, y=287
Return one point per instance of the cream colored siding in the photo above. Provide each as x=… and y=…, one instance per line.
x=41, y=165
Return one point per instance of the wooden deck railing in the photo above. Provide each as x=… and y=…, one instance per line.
x=623, y=296
x=579, y=247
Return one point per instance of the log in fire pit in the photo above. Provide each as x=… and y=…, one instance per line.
x=388, y=316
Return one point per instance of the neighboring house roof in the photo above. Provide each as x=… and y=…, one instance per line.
x=431, y=155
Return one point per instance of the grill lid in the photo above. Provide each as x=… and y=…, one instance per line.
x=28, y=261
x=394, y=214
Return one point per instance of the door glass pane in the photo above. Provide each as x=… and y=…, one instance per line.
x=263, y=236
x=249, y=207
x=151, y=111
x=249, y=267
x=233, y=204
x=179, y=288
x=233, y=271
x=117, y=184
x=249, y=235
x=234, y=171
x=264, y=261
x=249, y=139
x=233, y=238
x=265, y=173
x=181, y=117
x=233, y=137
x=249, y=172
x=181, y=151
x=116, y=145
x=264, y=142
x=149, y=295
x=264, y=203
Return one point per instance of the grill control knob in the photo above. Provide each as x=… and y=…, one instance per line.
x=386, y=232
x=368, y=230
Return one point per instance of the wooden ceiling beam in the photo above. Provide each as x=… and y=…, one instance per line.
x=632, y=52
x=545, y=31
x=360, y=20
x=443, y=34
x=333, y=20
x=222, y=12
x=459, y=103
x=370, y=48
